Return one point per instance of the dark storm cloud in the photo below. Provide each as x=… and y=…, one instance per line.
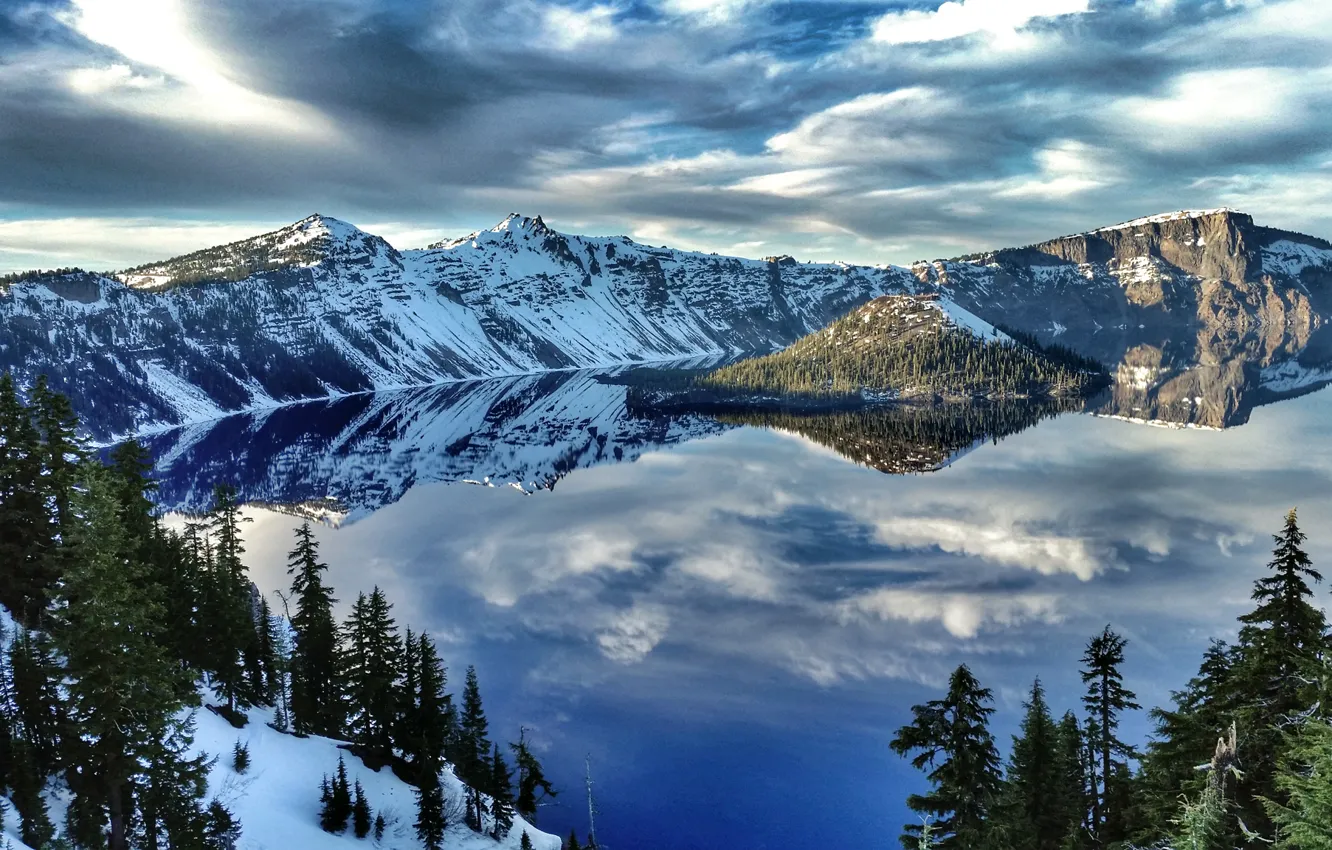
x=805, y=125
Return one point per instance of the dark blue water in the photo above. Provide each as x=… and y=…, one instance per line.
x=733, y=625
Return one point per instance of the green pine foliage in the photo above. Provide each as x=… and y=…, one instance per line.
x=533, y=787
x=316, y=704
x=361, y=821
x=950, y=738
x=1039, y=813
x=371, y=657
x=1106, y=700
x=904, y=345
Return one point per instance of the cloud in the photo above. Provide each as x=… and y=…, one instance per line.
x=968, y=17
x=963, y=615
x=1002, y=544
x=633, y=634
x=568, y=28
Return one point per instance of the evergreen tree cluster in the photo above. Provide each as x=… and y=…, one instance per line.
x=902, y=344
x=1242, y=758
x=115, y=621
x=121, y=624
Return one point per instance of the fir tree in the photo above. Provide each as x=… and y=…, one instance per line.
x=38, y=709
x=1303, y=816
x=26, y=784
x=373, y=651
x=240, y=757
x=572, y=842
x=264, y=678
x=1035, y=789
x=501, y=795
x=341, y=799
x=122, y=687
x=1074, y=794
x=25, y=517
x=169, y=793
x=315, y=703
x=231, y=619
x=951, y=737
x=525, y=843
x=1281, y=644
x=473, y=749
x=430, y=818
x=222, y=830
x=360, y=811
x=1106, y=700
x=379, y=827
x=533, y=787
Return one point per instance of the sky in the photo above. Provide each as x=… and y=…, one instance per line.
x=854, y=130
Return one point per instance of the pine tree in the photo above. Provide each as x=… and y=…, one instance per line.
x=122, y=687
x=1281, y=644
x=572, y=842
x=264, y=682
x=1074, y=795
x=380, y=826
x=1106, y=699
x=360, y=811
x=500, y=788
x=1303, y=816
x=169, y=793
x=373, y=653
x=240, y=757
x=1035, y=781
x=473, y=749
x=341, y=798
x=327, y=813
x=1185, y=736
x=533, y=787
x=223, y=831
x=231, y=620
x=951, y=737
x=35, y=827
x=430, y=818
x=38, y=708
x=525, y=843
x=315, y=703
x=25, y=517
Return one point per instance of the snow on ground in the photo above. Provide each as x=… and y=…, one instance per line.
x=277, y=798
x=969, y=321
x=1178, y=215
x=9, y=836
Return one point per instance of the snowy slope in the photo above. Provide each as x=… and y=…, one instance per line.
x=277, y=798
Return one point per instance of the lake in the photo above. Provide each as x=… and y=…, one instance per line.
x=732, y=620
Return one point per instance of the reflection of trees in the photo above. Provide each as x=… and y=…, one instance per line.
x=907, y=438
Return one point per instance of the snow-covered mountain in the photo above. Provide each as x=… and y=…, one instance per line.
x=320, y=308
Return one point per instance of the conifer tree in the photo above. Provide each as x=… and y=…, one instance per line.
x=1074, y=795
x=222, y=830
x=25, y=518
x=169, y=793
x=951, y=737
x=430, y=818
x=1106, y=700
x=26, y=784
x=572, y=842
x=500, y=788
x=265, y=683
x=525, y=843
x=373, y=651
x=315, y=703
x=339, y=798
x=1034, y=780
x=38, y=708
x=533, y=787
x=122, y=687
x=1281, y=644
x=474, y=749
x=231, y=621
x=360, y=811
x=380, y=826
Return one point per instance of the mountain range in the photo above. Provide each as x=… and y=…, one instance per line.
x=321, y=309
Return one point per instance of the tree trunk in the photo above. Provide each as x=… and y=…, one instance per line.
x=116, y=808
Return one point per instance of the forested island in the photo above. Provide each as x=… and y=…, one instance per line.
x=116, y=629
x=895, y=348
x=1241, y=758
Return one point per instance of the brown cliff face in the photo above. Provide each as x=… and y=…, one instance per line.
x=1195, y=311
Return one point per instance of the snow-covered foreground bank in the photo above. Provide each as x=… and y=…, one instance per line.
x=277, y=798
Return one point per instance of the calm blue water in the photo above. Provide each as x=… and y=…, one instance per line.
x=733, y=625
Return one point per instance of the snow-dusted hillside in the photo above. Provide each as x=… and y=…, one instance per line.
x=320, y=308
x=339, y=460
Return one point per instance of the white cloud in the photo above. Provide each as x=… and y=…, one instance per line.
x=106, y=244
x=881, y=128
x=962, y=614
x=158, y=34
x=710, y=12
x=633, y=634
x=95, y=81
x=568, y=29
x=738, y=569
x=968, y=17
x=1008, y=545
